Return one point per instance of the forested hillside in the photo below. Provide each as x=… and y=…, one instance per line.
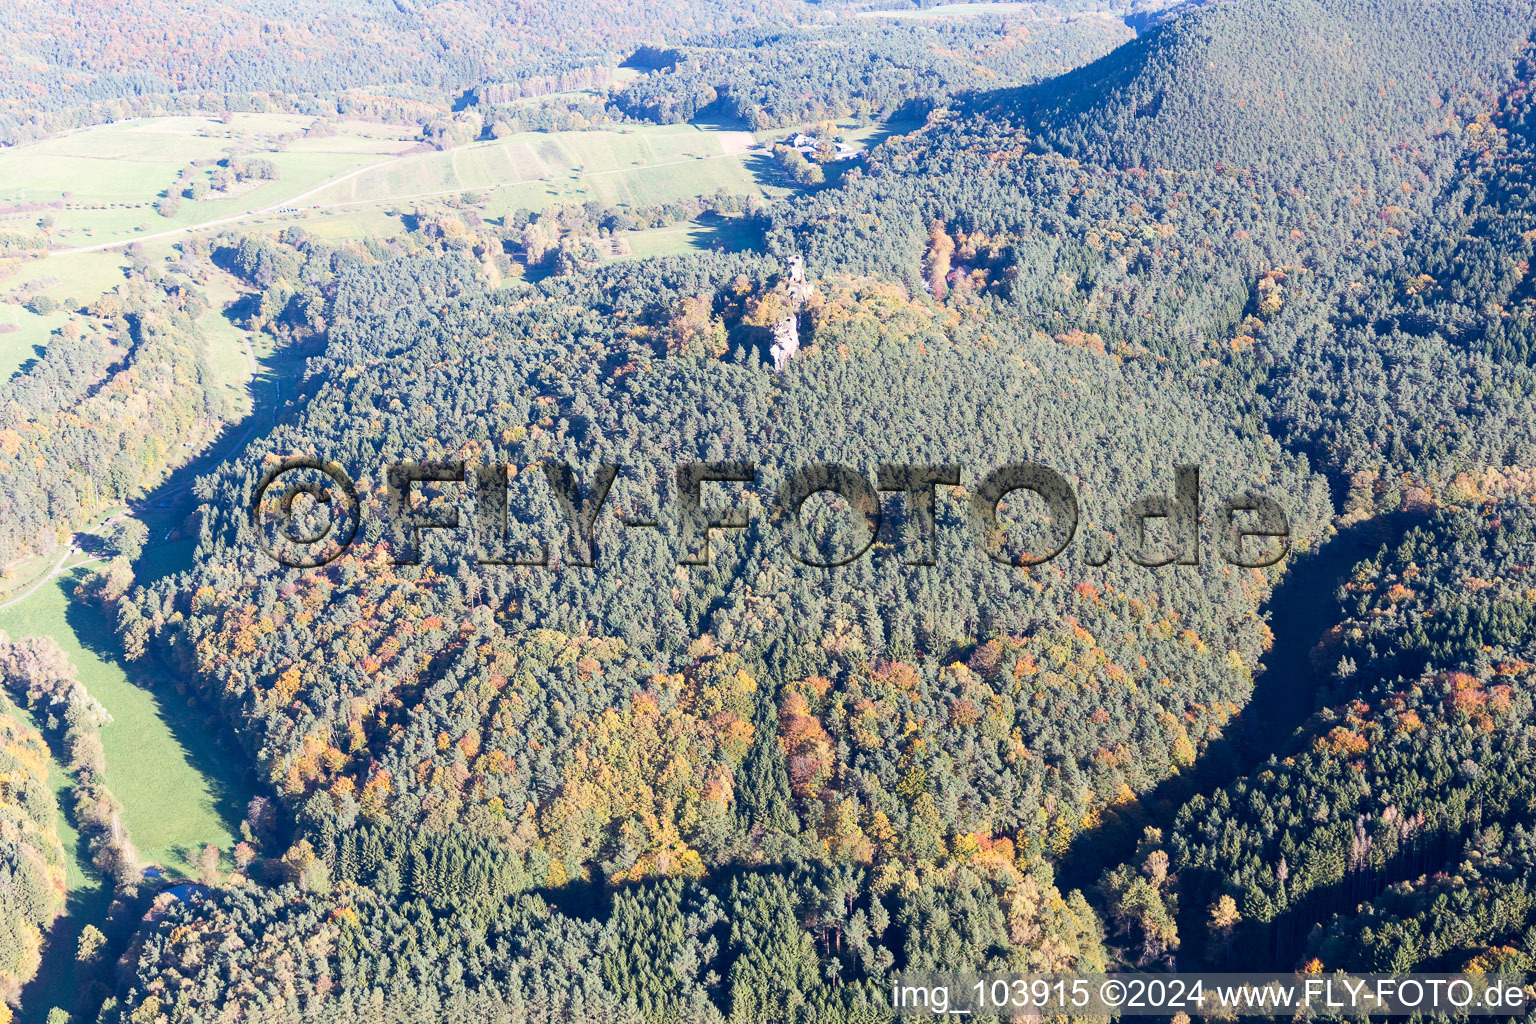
x=783, y=77
x=561, y=398
x=1277, y=85
x=1349, y=296
x=1407, y=803
x=31, y=858
x=669, y=950
x=104, y=413
x=76, y=63
x=1285, y=241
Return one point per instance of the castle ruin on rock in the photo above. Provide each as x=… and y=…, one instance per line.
x=786, y=333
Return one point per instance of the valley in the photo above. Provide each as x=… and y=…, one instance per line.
x=528, y=774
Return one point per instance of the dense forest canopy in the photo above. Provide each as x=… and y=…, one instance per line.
x=1407, y=801
x=796, y=76
x=75, y=54
x=1285, y=241
x=1329, y=82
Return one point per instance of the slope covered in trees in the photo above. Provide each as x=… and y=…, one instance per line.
x=776, y=942
x=988, y=291
x=1294, y=266
x=74, y=63
x=1277, y=83
x=899, y=67
x=268, y=644
x=891, y=719
x=1345, y=303
x=31, y=857
x=104, y=413
x=1401, y=822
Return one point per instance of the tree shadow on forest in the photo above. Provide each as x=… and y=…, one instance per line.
x=1302, y=607
x=56, y=983
x=166, y=508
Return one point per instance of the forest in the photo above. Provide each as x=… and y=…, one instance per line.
x=32, y=860
x=512, y=773
x=76, y=64
x=1406, y=797
x=105, y=412
x=788, y=77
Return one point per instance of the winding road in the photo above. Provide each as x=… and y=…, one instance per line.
x=281, y=206
x=58, y=567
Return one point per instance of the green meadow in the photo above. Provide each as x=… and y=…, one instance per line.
x=31, y=332
x=71, y=280
x=693, y=236
x=108, y=178
x=180, y=790
x=636, y=165
x=228, y=354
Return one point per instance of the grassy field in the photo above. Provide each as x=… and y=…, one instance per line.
x=371, y=221
x=679, y=239
x=101, y=185
x=532, y=170
x=170, y=774
x=18, y=346
x=74, y=279
x=71, y=280
x=108, y=178
x=228, y=355
x=105, y=181
x=161, y=764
